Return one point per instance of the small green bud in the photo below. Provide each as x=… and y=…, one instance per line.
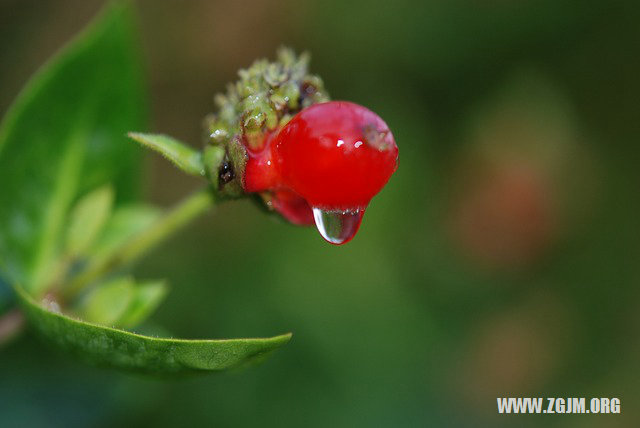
x=254, y=120
x=275, y=75
x=265, y=97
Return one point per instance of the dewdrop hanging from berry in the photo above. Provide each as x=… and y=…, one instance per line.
x=309, y=159
x=325, y=165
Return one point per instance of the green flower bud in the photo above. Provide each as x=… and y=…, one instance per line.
x=266, y=96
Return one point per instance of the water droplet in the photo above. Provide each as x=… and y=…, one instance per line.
x=338, y=227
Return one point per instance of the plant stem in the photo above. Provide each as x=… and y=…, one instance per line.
x=139, y=244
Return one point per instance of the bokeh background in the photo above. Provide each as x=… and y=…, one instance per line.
x=500, y=260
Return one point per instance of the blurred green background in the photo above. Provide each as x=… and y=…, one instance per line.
x=500, y=260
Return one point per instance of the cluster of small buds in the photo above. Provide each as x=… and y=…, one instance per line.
x=266, y=96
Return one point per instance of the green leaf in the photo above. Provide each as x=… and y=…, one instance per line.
x=121, y=302
x=129, y=351
x=147, y=297
x=126, y=221
x=64, y=135
x=180, y=154
x=87, y=220
x=107, y=303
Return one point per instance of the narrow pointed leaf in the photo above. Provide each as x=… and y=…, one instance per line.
x=87, y=220
x=181, y=155
x=147, y=297
x=125, y=222
x=107, y=303
x=129, y=351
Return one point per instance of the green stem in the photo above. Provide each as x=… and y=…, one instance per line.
x=139, y=244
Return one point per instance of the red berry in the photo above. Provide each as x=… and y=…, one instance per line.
x=292, y=207
x=332, y=156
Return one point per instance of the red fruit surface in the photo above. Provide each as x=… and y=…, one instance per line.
x=335, y=156
x=292, y=207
